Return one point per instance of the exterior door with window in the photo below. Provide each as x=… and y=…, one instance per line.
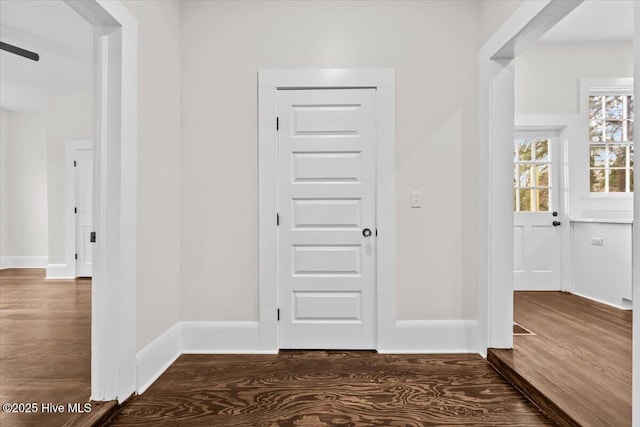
x=536, y=216
x=326, y=205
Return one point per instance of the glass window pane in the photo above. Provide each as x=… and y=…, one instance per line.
x=630, y=130
x=595, y=107
x=596, y=130
x=631, y=155
x=524, y=146
x=527, y=200
x=630, y=106
x=614, y=106
x=515, y=200
x=596, y=180
x=618, y=155
x=542, y=175
x=543, y=200
x=613, y=131
x=631, y=180
x=617, y=181
x=597, y=156
x=542, y=150
x=525, y=177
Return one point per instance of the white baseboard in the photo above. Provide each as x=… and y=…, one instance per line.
x=243, y=337
x=195, y=337
x=433, y=336
x=23, y=262
x=58, y=271
x=222, y=337
x=155, y=358
x=621, y=306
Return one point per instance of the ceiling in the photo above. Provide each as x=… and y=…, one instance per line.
x=62, y=38
x=595, y=21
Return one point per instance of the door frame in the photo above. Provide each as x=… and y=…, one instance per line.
x=115, y=172
x=495, y=163
x=70, y=218
x=269, y=82
x=565, y=126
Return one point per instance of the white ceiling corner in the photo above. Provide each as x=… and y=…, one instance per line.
x=595, y=21
x=62, y=38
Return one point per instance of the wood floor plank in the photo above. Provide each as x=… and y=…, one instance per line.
x=45, y=347
x=330, y=388
x=578, y=361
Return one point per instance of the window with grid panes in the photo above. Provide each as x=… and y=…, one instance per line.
x=610, y=143
x=532, y=181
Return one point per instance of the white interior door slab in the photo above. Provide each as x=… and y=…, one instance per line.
x=84, y=211
x=536, y=234
x=327, y=224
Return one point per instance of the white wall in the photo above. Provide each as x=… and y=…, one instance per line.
x=23, y=187
x=602, y=272
x=68, y=117
x=158, y=256
x=493, y=14
x=547, y=74
x=224, y=43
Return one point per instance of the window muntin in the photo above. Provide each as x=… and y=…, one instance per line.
x=532, y=175
x=610, y=143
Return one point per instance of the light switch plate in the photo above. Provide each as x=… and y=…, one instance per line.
x=416, y=199
x=597, y=241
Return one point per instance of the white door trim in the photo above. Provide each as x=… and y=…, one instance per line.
x=70, y=203
x=495, y=164
x=113, y=314
x=269, y=81
x=565, y=127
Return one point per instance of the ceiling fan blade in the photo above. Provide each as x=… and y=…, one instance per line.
x=19, y=51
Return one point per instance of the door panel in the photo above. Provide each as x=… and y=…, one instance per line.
x=326, y=269
x=84, y=214
x=327, y=213
x=536, y=242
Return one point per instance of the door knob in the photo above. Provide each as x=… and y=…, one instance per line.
x=556, y=223
x=366, y=232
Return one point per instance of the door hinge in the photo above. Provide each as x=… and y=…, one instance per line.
x=277, y=123
x=74, y=164
x=376, y=232
x=278, y=315
x=76, y=256
x=92, y=237
x=278, y=219
x=75, y=210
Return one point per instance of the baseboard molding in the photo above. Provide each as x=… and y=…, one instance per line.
x=222, y=337
x=58, y=271
x=610, y=304
x=433, y=336
x=243, y=337
x=195, y=337
x=156, y=357
x=23, y=262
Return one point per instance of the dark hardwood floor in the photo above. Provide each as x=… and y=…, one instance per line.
x=577, y=366
x=322, y=388
x=45, y=345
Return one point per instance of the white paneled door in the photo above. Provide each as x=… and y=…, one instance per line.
x=84, y=211
x=536, y=218
x=327, y=224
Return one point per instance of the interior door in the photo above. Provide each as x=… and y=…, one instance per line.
x=84, y=211
x=536, y=216
x=327, y=224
